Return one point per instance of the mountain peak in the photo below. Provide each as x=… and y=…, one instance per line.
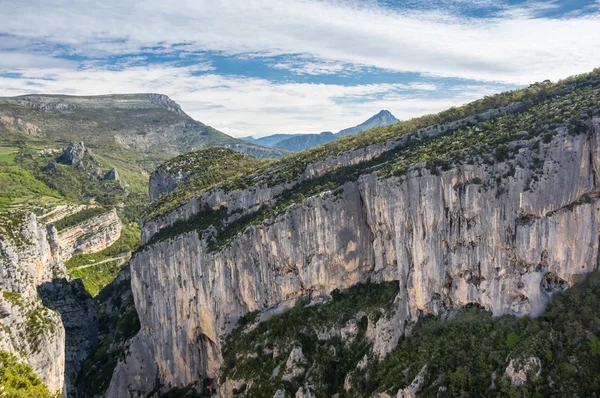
x=383, y=118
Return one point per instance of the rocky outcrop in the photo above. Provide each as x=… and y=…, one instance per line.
x=29, y=257
x=74, y=154
x=90, y=236
x=413, y=389
x=167, y=102
x=294, y=364
x=386, y=331
x=29, y=253
x=519, y=370
x=11, y=123
x=161, y=181
x=112, y=175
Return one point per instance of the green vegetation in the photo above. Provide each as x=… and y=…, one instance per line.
x=96, y=277
x=107, y=262
x=17, y=380
x=84, y=183
x=28, y=185
x=247, y=352
x=14, y=299
x=209, y=168
x=465, y=355
x=7, y=154
x=79, y=217
x=18, y=185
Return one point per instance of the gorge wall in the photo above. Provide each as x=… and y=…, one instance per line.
x=90, y=236
x=29, y=257
x=502, y=234
x=47, y=320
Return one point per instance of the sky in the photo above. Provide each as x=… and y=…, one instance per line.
x=260, y=67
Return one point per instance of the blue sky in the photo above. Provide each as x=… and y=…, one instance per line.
x=259, y=67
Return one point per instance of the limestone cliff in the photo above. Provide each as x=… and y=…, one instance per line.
x=503, y=228
x=91, y=235
x=47, y=320
x=29, y=257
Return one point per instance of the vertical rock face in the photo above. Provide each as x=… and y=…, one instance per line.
x=29, y=253
x=90, y=236
x=503, y=235
x=29, y=257
x=78, y=313
x=46, y=320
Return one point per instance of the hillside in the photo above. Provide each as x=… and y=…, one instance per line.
x=491, y=205
x=151, y=125
x=60, y=150
x=464, y=354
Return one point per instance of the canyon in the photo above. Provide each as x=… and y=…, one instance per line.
x=485, y=213
x=501, y=232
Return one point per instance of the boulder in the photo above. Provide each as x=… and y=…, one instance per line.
x=74, y=154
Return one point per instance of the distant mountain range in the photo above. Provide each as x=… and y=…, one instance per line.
x=299, y=142
x=269, y=141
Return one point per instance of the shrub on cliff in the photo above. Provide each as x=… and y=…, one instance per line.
x=17, y=379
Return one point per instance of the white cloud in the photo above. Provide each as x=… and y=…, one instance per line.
x=11, y=61
x=247, y=106
x=515, y=47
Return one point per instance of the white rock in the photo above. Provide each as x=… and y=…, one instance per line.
x=518, y=370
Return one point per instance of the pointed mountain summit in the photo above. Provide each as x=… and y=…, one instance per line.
x=383, y=118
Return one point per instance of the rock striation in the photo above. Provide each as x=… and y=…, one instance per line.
x=90, y=236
